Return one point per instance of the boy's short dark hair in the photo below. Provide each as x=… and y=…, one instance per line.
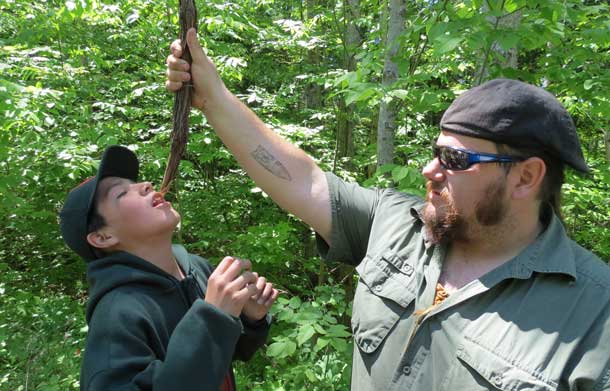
x=96, y=222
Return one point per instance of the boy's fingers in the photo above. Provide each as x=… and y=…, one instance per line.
x=260, y=286
x=176, y=48
x=274, y=296
x=260, y=283
x=237, y=267
x=247, y=278
x=224, y=264
x=194, y=46
x=266, y=293
x=245, y=293
x=248, y=291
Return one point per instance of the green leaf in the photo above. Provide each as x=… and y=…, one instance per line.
x=436, y=31
x=399, y=173
x=446, y=44
x=386, y=168
x=319, y=329
x=359, y=95
x=305, y=333
x=508, y=40
x=339, y=331
x=513, y=5
x=281, y=349
x=588, y=84
x=310, y=375
x=295, y=302
x=321, y=343
x=400, y=94
x=339, y=344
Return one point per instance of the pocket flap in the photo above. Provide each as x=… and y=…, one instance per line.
x=498, y=372
x=389, y=277
x=385, y=289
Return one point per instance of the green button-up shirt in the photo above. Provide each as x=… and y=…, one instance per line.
x=540, y=321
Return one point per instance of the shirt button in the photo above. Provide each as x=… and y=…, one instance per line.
x=377, y=288
x=498, y=381
x=406, y=370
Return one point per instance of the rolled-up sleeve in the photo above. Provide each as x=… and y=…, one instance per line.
x=353, y=210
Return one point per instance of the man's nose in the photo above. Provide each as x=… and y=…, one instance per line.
x=434, y=171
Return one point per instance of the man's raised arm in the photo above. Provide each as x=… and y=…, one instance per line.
x=290, y=177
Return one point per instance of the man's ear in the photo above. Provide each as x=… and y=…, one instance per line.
x=102, y=239
x=530, y=174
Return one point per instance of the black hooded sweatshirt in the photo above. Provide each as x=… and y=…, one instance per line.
x=147, y=330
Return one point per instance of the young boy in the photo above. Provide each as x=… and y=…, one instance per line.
x=159, y=318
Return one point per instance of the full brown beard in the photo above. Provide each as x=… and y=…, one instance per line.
x=447, y=224
x=444, y=224
x=491, y=209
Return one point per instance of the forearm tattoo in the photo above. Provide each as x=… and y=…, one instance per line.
x=270, y=163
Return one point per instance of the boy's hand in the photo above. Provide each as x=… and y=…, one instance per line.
x=206, y=81
x=228, y=288
x=258, y=305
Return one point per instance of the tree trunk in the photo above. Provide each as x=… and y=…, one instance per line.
x=386, y=125
x=607, y=144
x=495, y=54
x=345, y=127
x=372, y=128
x=352, y=40
x=313, y=91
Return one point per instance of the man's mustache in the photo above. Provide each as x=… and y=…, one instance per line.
x=438, y=187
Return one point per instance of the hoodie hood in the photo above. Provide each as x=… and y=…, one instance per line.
x=123, y=268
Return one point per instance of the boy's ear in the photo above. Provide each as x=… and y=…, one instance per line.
x=530, y=175
x=102, y=239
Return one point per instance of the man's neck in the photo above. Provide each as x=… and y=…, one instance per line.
x=469, y=260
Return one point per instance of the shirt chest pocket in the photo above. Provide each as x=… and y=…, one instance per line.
x=477, y=368
x=385, y=291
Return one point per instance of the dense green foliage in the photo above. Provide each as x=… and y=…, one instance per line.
x=76, y=76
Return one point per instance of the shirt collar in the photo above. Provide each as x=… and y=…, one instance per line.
x=417, y=213
x=551, y=252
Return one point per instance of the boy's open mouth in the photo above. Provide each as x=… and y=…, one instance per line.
x=158, y=200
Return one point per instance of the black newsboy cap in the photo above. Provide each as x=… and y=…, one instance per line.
x=519, y=115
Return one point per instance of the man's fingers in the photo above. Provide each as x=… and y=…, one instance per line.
x=176, y=48
x=194, y=46
x=177, y=76
x=176, y=64
x=173, y=86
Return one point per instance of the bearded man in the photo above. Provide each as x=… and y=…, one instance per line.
x=477, y=287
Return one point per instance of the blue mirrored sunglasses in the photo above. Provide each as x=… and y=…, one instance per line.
x=458, y=159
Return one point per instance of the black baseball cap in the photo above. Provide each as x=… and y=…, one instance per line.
x=517, y=114
x=116, y=161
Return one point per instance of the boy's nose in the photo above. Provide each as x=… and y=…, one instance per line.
x=145, y=188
